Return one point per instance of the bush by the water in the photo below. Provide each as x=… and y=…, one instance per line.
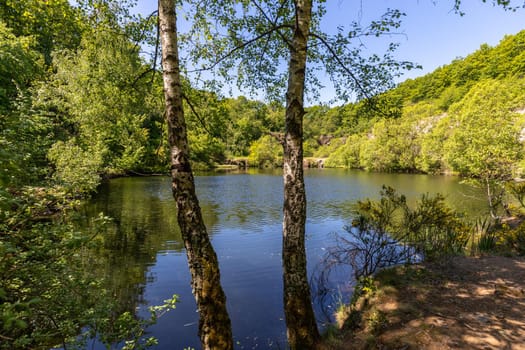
x=389, y=232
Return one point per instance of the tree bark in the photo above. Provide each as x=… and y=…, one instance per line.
x=300, y=319
x=214, y=324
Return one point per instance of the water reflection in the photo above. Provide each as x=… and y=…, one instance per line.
x=143, y=252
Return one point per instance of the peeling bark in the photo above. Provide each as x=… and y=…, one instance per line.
x=300, y=319
x=214, y=324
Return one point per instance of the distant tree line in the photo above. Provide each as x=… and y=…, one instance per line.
x=87, y=105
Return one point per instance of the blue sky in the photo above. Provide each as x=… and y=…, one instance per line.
x=432, y=34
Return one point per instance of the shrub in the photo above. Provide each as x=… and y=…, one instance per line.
x=388, y=232
x=433, y=228
x=513, y=239
x=75, y=168
x=49, y=296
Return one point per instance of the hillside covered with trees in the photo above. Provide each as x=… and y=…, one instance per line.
x=460, y=118
x=423, y=125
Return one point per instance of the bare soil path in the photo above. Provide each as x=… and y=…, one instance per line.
x=464, y=303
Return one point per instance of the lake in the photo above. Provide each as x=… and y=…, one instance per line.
x=145, y=261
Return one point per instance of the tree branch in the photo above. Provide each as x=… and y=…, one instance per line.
x=157, y=43
x=274, y=22
x=197, y=115
x=367, y=97
x=143, y=33
x=279, y=136
x=141, y=75
x=241, y=46
x=338, y=59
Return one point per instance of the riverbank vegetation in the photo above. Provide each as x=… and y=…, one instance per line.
x=426, y=277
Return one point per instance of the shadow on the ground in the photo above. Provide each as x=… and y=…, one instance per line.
x=464, y=303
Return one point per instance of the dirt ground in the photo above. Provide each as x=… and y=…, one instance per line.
x=465, y=303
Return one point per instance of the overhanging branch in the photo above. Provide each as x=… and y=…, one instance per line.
x=368, y=98
x=143, y=32
x=341, y=64
x=274, y=21
x=157, y=44
x=241, y=46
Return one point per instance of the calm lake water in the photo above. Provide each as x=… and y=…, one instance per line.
x=146, y=262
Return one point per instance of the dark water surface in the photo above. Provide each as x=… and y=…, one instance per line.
x=147, y=263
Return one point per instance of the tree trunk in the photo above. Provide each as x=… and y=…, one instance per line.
x=300, y=319
x=214, y=324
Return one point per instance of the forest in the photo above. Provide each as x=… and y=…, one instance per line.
x=81, y=102
x=72, y=116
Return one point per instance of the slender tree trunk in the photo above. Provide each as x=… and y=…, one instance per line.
x=214, y=324
x=300, y=319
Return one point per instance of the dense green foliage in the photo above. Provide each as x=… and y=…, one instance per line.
x=51, y=292
x=429, y=226
x=76, y=104
x=389, y=232
x=54, y=24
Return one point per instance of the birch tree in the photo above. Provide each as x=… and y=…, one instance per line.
x=302, y=329
x=214, y=324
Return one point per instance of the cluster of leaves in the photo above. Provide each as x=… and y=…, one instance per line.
x=104, y=109
x=251, y=42
x=54, y=24
x=45, y=292
x=130, y=331
x=512, y=240
x=266, y=152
